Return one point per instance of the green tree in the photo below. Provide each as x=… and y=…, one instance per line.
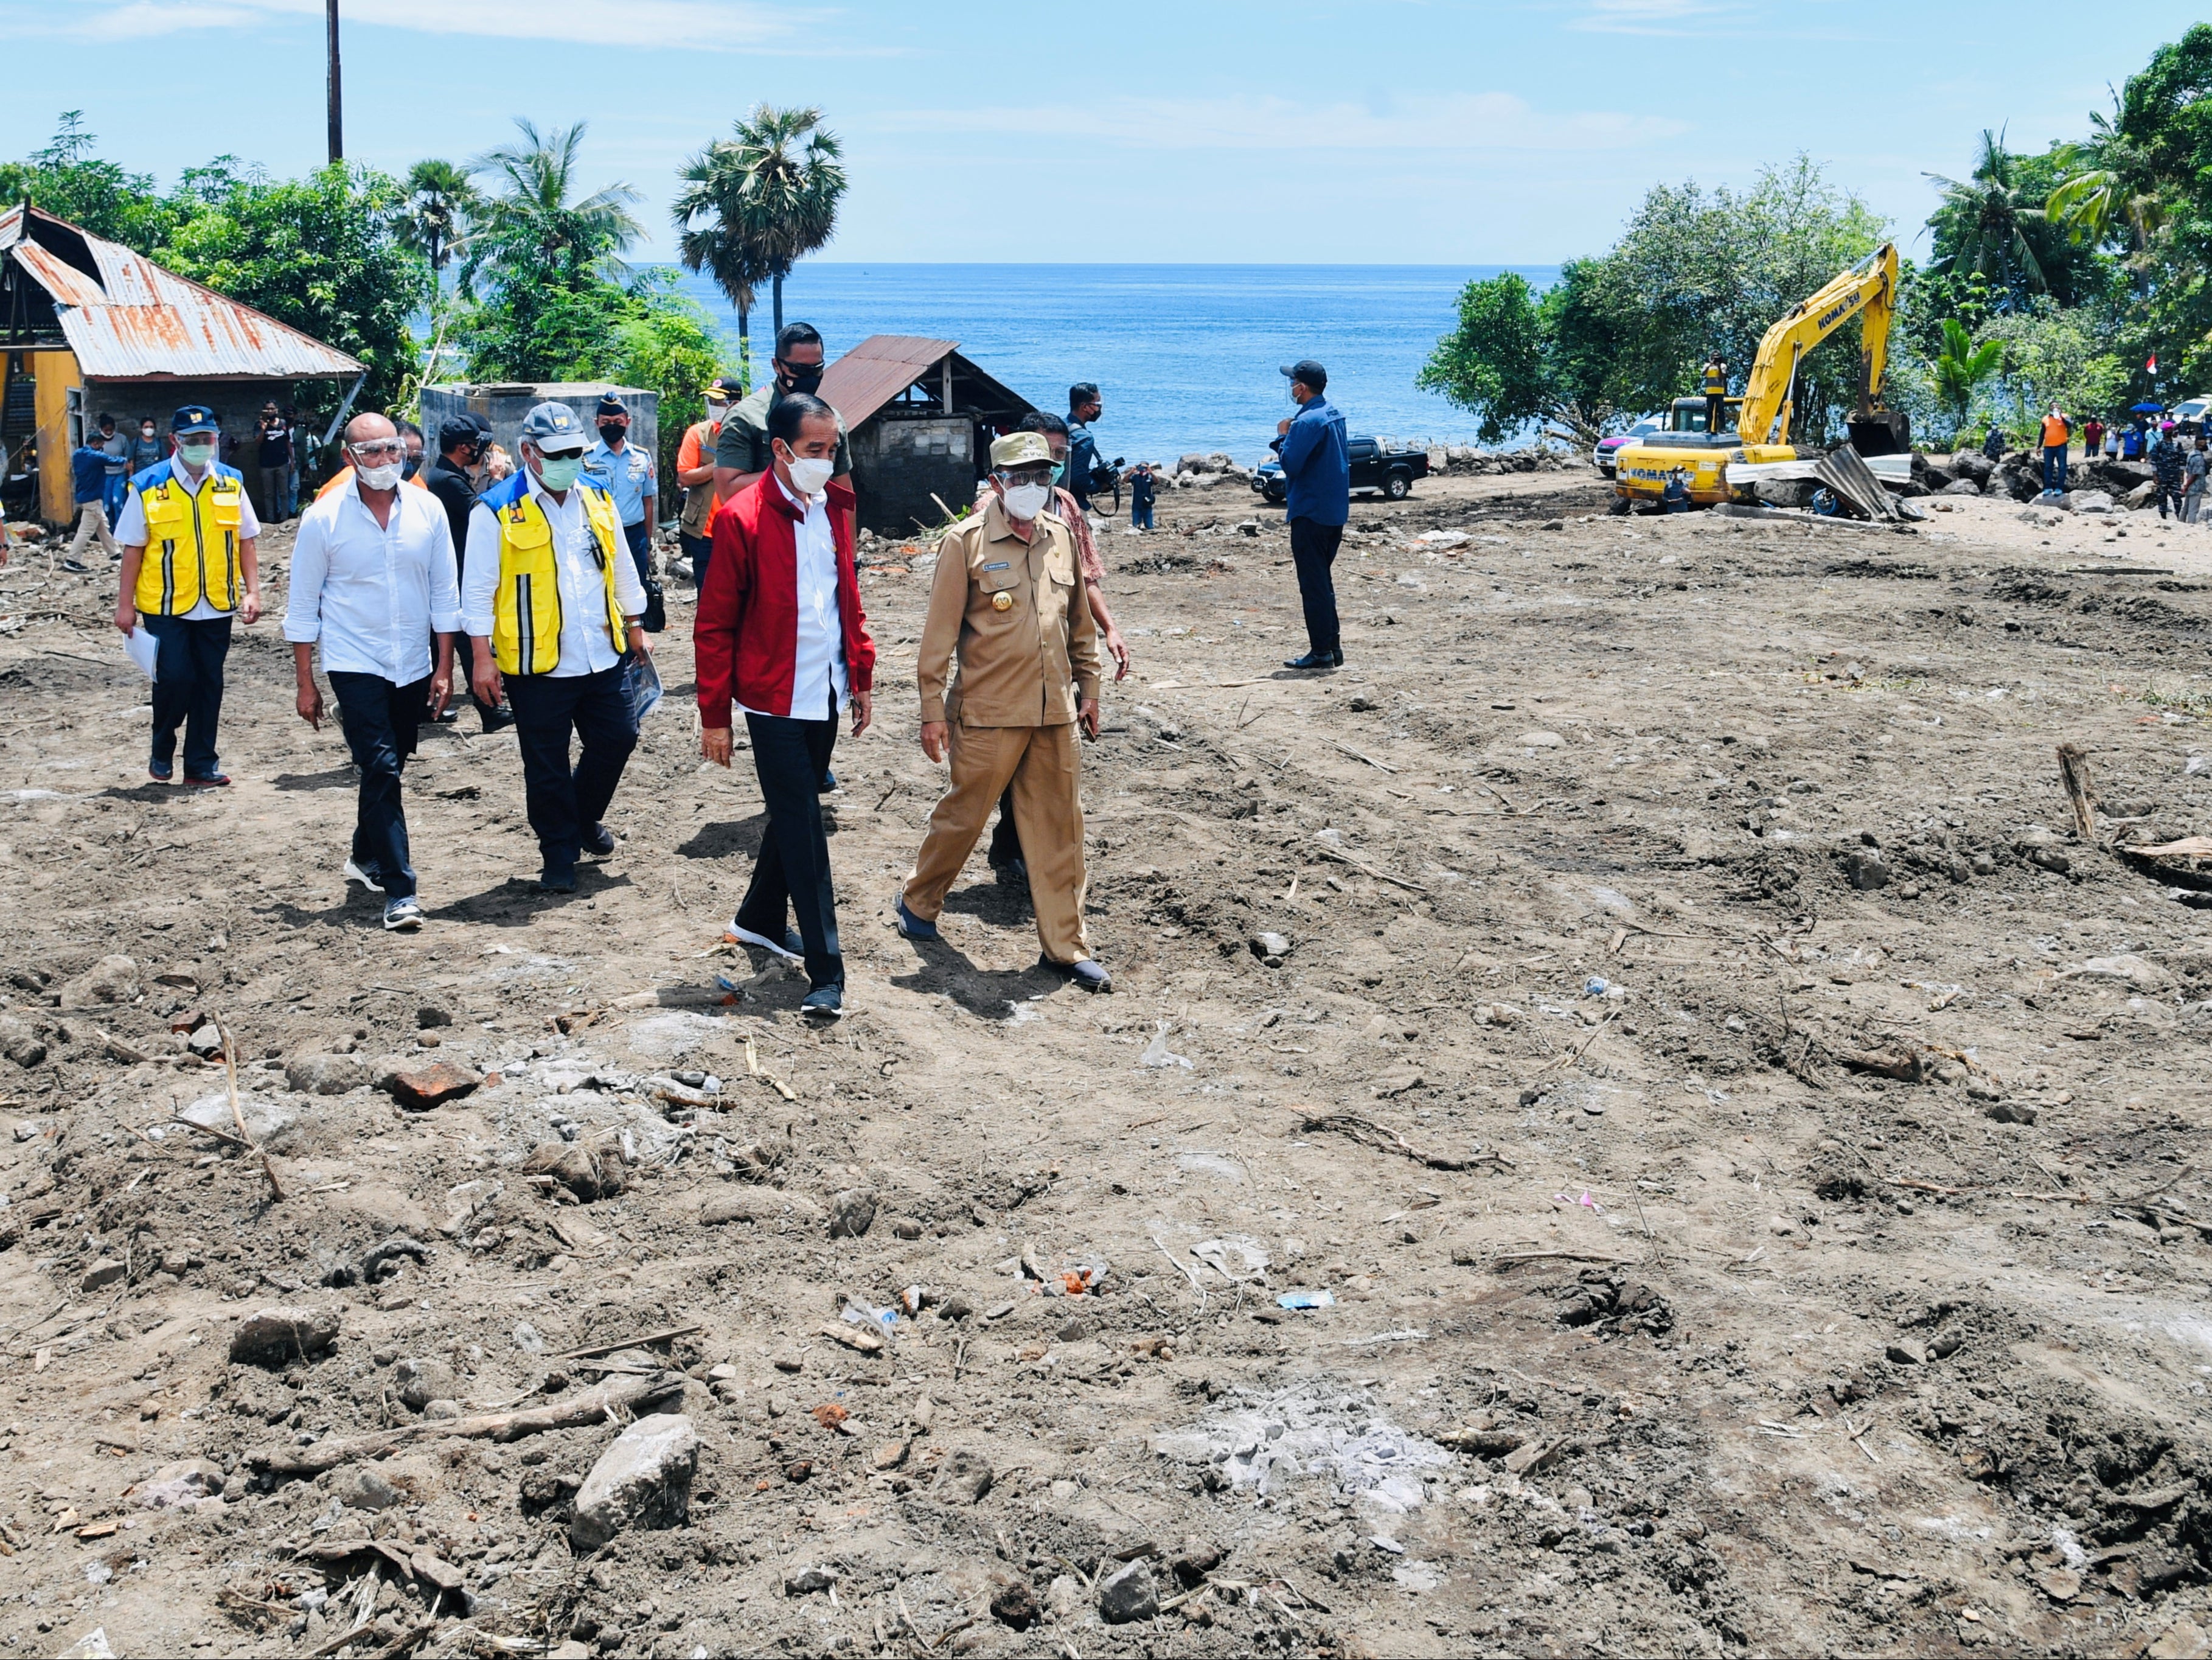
x=1986, y=222
x=440, y=202
x=2055, y=355
x=1961, y=367
x=322, y=253
x=536, y=229
x=712, y=236
x=789, y=178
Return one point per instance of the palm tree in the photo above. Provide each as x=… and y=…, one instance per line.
x=790, y=178
x=532, y=231
x=2110, y=182
x=440, y=202
x=1961, y=367
x=1986, y=220
x=712, y=236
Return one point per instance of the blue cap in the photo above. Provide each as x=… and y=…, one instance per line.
x=553, y=426
x=194, y=417
x=611, y=404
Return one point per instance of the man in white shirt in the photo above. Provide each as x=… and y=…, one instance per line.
x=551, y=599
x=373, y=580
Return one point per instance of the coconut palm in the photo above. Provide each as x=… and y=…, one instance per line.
x=789, y=178
x=438, y=203
x=712, y=236
x=2109, y=187
x=534, y=230
x=1987, y=221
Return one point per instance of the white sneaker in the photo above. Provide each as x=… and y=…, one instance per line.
x=403, y=915
x=355, y=873
x=780, y=947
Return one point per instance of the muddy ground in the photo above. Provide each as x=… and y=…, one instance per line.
x=1661, y=1318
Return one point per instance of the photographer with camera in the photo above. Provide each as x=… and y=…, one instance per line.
x=1086, y=474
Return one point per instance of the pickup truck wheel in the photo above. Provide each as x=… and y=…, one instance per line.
x=1398, y=486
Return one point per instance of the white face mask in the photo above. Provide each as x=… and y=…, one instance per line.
x=716, y=411
x=1027, y=501
x=381, y=479
x=808, y=476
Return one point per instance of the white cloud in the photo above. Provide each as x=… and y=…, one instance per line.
x=700, y=25
x=1457, y=123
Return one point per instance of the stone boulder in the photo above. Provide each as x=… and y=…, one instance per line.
x=276, y=1337
x=326, y=1074
x=1960, y=487
x=2087, y=501
x=642, y=1481
x=109, y=980
x=1973, y=464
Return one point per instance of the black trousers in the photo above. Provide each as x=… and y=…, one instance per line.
x=465, y=663
x=1715, y=412
x=698, y=549
x=564, y=801
x=379, y=720
x=188, y=662
x=1313, y=550
x=792, y=873
x=639, y=538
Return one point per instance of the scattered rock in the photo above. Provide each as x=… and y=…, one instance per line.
x=420, y=1088
x=1129, y=1594
x=583, y=1170
x=1197, y=1558
x=109, y=980
x=1015, y=1604
x=2184, y=1639
x=276, y=1337
x=19, y=1043
x=1063, y=1599
x=1905, y=1351
x=1865, y=870
x=423, y=1381
x=727, y=1208
x=965, y=1477
x=906, y=1227
x=364, y=1489
x=642, y=1481
x=852, y=1213
x=2012, y=1112
x=101, y=1274
x=1271, y=948
x=433, y=1014
x=325, y=1074
x=791, y=1360
x=809, y=1580
x=189, y=1482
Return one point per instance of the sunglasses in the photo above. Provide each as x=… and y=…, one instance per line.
x=1027, y=476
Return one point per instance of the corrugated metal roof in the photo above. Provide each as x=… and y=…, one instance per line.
x=877, y=370
x=139, y=322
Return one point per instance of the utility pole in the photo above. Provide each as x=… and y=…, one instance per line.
x=336, y=104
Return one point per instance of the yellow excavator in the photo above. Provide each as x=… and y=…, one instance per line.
x=1696, y=463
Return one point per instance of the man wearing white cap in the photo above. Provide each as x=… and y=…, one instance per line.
x=551, y=599
x=1007, y=602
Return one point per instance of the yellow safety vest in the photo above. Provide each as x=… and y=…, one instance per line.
x=1716, y=383
x=526, y=614
x=192, y=541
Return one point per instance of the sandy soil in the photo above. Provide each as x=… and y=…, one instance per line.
x=1654, y=1323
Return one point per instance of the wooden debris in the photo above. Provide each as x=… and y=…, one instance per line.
x=1370, y=1133
x=646, y=1342
x=2074, y=773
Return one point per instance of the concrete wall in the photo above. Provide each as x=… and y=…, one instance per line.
x=504, y=406
x=897, y=464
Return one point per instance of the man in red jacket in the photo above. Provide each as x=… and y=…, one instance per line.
x=781, y=635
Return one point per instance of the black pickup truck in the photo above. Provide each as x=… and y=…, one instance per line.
x=1373, y=468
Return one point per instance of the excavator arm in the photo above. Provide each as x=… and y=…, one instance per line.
x=1866, y=291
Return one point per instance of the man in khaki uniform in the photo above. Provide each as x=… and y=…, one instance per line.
x=1007, y=603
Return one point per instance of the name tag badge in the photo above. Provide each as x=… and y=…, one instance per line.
x=1002, y=564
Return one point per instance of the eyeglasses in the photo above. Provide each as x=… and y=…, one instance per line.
x=1026, y=476
x=380, y=449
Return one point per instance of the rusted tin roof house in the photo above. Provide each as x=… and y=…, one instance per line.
x=920, y=418
x=88, y=327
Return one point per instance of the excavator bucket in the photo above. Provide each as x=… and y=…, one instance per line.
x=1886, y=432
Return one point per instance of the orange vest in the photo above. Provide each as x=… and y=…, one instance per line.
x=2054, y=432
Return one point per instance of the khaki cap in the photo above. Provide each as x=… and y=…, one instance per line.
x=1020, y=449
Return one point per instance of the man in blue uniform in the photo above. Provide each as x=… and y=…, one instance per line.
x=627, y=474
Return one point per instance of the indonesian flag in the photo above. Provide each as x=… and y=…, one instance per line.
x=2153, y=365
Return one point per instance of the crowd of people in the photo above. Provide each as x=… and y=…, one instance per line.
x=2179, y=459
x=537, y=581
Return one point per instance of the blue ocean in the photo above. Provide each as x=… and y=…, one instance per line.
x=1185, y=356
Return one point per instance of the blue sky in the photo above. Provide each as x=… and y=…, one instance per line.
x=1387, y=131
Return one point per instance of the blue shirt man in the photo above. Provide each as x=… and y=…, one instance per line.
x=1316, y=460
x=88, y=469
x=628, y=474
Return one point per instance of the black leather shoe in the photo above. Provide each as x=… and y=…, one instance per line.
x=601, y=841
x=1313, y=660
x=912, y=926
x=557, y=881
x=1085, y=972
